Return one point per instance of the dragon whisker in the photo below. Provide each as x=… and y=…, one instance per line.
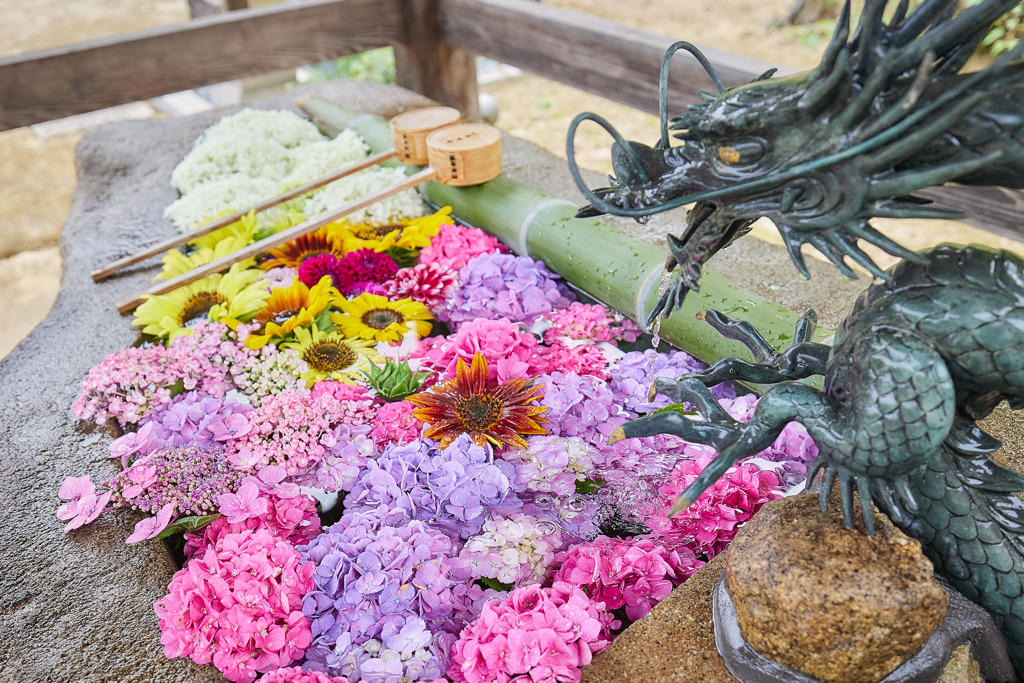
x=666, y=64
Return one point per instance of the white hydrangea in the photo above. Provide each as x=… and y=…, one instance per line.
x=316, y=159
x=515, y=550
x=215, y=199
x=405, y=204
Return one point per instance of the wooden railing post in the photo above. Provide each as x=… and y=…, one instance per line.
x=442, y=72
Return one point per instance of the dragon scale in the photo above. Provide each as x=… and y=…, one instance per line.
x=915, y=364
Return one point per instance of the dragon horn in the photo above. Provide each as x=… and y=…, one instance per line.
x=868, y=33
x=836, y=46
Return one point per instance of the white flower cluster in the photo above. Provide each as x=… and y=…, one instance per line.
x=253, y=155
x=515, y=550
x=271, y=372
x=405, y=204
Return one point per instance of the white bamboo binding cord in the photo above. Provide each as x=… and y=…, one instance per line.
x=468, y=153
x=409, y=132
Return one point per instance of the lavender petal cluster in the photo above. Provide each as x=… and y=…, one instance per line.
x=454, y=489
x=505, y=286
x=581, y=405
x=578, y=517
x=193, y=419
x=551, y=464
x=344, y=462
x=631, y=378
x=370, y=581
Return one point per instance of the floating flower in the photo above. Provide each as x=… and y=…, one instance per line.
x=413, y=233
x=370, y=316
x=240, y=506
x=289, y=307
x=332, y=355
x=316, y=268
x=470, y=404
x=633, y=374
x=535, y=634
x=270, y=372
x=325, y=240
x=152, y=526
x=457, y=245
x=84, y=505
x=230, y=296
x=429, y=283
x=293, y=519
x=552, y=464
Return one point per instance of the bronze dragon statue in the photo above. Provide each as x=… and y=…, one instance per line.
x=886, y=113
x=915, y=364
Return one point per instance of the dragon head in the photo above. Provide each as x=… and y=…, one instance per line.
x=886, y=113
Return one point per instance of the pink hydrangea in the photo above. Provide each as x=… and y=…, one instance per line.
x=239, y=605
x=395, y=424
x=535, y=634
x=582, y=359
x=293, y=519
x=455, y=245
x=510, y=352
x=711, y=522
x=590, y=322
x=83, y=504
x=356, y=400
x=635, y=573
x=428, y=283
x=295, y=674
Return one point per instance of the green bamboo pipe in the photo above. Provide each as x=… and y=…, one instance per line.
x=608, y=264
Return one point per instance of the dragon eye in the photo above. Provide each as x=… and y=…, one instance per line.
x=742, y=152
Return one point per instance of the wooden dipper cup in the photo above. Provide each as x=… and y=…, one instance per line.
x=409, y=131
x=465, y=154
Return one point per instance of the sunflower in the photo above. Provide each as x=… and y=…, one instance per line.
x=327, y=240
x=242, y=229
x=469, y=404
x=227, y=297
x=403, y=233
x=372, y=316
x=290, y=307
x=331, y=355
x=177, y=263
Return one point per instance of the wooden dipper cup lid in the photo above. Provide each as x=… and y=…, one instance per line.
x=466, y=154
x=409, y=131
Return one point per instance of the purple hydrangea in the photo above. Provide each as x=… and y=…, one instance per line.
x=371, y=580
x=194, y=419
x=551, y=464
x=577, y=516
x=505, y=286
x=345, y=461
x=632, y=375
x=582, y=406
x=453, y=490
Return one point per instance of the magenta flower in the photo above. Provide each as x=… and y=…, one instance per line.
x=152, y=526
x=83, y=506
x=240, y=506
x=141, y=477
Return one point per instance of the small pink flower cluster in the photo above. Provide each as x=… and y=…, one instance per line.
x=295, y=674
x=129, y=384
x=290, y=430
x=239, y=606
x=394, y=424
x=592, y=322
x=83, y=504
x=536, y=634
x=582, y=359
x=510, y=352
x=356, y=402
x=294, y=519
x=636, y=573
x=214, y=346
x=429, y=283
x=455, y=246
x=711, y=522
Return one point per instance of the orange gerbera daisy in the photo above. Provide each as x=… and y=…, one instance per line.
x=470, y=404
x=330, y=239
x=290, y=307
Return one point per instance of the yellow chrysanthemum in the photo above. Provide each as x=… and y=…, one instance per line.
x=371, y=316
x=227, y=297
x=331, y=355
x=176, y=263
x=244, y=229
x=405, y=233
x=290, y=307
x=326, y=240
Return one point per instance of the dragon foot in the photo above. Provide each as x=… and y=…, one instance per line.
x=865, y=485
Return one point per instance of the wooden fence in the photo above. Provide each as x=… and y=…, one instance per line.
x=435, y=43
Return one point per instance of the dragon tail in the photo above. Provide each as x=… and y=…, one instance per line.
x=970, y=523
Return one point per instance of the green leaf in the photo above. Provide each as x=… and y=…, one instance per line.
x=495, y=584
x=676, y=408
x=403, y=256
x=177, y=388
x=188, y=524
x=589, y=485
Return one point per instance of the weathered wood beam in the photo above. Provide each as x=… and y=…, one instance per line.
x=50, y=84
x=442, y=71
x=586, y=52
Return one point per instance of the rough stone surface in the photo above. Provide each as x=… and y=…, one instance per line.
x=835, y=603
x=674, y=642
x=961, y=668
x=78, y=607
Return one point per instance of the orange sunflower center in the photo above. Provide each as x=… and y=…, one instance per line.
x=479, y=413
x=381, y=318
x=329, y=356
x=198, y=307
x=369, y=232
x=310, y=254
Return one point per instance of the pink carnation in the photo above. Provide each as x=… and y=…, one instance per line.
x=591, y=322
x=582, y=359
x=239, y=606
x=535, y=634
x=455, y=245
x=428, y=283
x=508, y=349
x=711, y=522
x=394, y=424
x=635, y=573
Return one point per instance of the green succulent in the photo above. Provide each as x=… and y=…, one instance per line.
x=395, y=379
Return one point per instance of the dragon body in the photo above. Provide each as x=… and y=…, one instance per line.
x=888, y=112
x=917, y=362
